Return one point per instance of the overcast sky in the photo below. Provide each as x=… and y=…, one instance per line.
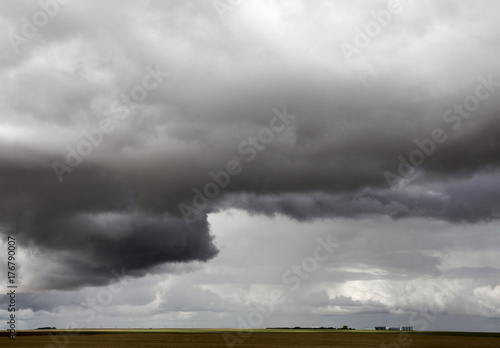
x=251, y=163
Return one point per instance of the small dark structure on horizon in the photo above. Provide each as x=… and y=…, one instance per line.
x=46, y=328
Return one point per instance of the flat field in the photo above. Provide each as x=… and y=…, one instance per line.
x=262, y=338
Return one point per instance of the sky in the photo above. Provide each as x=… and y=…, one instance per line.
x=251, y=163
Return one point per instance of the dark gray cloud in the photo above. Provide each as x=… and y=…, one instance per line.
x=467, y=200
x=94, y=225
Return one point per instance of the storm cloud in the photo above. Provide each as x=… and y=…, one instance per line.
x=116, y=115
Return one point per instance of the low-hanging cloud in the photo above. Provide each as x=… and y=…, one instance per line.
x=354, y=122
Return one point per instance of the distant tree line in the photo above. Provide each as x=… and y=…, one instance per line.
x=345, y=327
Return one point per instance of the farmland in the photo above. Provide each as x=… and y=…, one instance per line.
x=274, y=338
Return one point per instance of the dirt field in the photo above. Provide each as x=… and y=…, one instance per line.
x=256, y=339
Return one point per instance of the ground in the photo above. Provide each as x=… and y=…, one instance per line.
x=271, y=338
